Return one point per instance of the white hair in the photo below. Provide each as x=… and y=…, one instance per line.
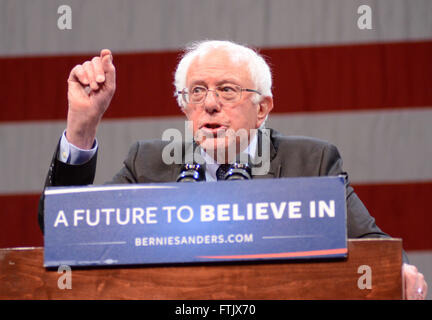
x=258, y=68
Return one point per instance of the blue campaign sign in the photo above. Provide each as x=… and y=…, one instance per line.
x=289, y=218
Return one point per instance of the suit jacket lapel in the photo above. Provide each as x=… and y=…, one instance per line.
x=275, y=163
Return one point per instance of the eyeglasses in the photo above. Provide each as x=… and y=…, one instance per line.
x=227, y=93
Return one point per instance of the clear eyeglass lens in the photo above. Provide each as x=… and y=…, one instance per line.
x=226, y=93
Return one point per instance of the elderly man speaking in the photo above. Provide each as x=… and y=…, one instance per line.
x=221, y=87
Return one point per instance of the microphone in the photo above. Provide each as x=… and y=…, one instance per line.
x=239, y=171
x=191, y=173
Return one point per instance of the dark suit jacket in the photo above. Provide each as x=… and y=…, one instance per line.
x=289, y=157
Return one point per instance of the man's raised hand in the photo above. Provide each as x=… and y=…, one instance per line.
x=91, y=86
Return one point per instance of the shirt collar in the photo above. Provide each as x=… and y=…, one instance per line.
x=212, y=166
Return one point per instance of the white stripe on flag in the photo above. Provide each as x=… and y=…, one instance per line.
x=376, y=146
x=30, y=27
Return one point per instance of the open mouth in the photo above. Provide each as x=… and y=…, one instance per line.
x=213, y=127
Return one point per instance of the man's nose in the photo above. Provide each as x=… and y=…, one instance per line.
x=211, y=102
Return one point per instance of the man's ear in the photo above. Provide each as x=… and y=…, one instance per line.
x=264, y=108
x=183, y=109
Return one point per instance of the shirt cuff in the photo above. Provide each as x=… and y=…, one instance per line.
x=71, y=154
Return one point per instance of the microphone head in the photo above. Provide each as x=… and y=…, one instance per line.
x=239, y=171
x=191, y=173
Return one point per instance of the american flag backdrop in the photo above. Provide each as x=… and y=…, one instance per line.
x=368, y=91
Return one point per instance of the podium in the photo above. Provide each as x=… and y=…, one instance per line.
x=22, y=276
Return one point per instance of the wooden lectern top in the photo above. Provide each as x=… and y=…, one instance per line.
x=371, y=271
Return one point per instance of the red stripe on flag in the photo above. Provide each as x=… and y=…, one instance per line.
x=401, y=210
x=19, y=224
x=333, y=78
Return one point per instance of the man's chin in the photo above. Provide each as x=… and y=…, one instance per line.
x=223, y=146
x=215, y=143
x=219, y=148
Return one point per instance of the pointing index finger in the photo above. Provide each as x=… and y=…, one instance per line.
x=108, y=67
x=107, y=58
x=105, y=52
